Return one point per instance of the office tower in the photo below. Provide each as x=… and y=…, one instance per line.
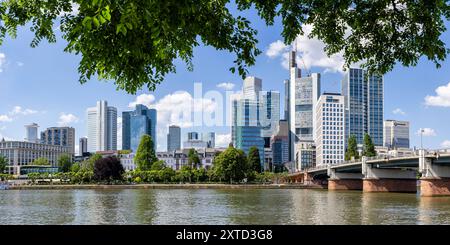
x=32, y=133
x=62, y=136
x=246, y=130
x=137, y=123
x=303, y=95
x=83, y=146
x=330, y=129
x=192, y=136
x=286, y=100
x=234, y=99
x=269, y=115
x=364, y=105
x=210, y=140
x=174, y=138
x=396, y=134
x=252, y=87
x=102, y=127
x=279, y=143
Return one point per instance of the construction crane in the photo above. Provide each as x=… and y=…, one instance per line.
x=308, y=71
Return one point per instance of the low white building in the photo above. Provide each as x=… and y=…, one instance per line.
x=179, y=158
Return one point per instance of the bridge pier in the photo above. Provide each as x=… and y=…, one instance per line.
x=344, y=181
x=388, y=179
x=435, y=180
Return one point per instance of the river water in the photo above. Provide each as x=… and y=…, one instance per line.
x=206, y=206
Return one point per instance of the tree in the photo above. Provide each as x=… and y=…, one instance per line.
x=75, y=167
x=145, y=154
x=135, y=42
x=41, y=161
x=158, y=165
x=231, y=165
x=352, y=148
x=186, y=173
x=64, y=163
x=368, y=147
x=108, y=169
x=3, y=164
x=193, y=159
x=89, y=165
x=253, y=159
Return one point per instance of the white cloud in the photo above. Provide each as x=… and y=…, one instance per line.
x=442, y=97
x=311, y=51
x=119, y=133
x=223, y=140
x=426, y=132
x=18, y=110
x=2, y=61
x=398, y=111
x=143, y=99
x=66, y=119
x=175, y=109
x=276, y=48
x=5, y=118
x=445, y=144
x=226, y=86
x=20, y=64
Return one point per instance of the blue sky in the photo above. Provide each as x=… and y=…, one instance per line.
x=41, y=85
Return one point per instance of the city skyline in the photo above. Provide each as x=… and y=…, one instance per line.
x=28, y=73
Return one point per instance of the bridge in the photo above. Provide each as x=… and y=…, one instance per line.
x=385, y=174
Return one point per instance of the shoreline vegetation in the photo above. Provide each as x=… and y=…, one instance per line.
x=162, y=186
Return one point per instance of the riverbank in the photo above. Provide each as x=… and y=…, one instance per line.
x=163, y=186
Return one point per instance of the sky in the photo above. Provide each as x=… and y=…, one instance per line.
x=41, y=85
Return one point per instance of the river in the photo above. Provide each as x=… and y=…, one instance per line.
x=213, y=206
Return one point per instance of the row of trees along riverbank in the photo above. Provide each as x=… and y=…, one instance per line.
x=229, y=166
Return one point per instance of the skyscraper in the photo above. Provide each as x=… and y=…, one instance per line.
x=102, y=127
x=62, y=136
x=137, y=123
x=174, y=138
x=330, y=128
x=192, y=136
x=396, y=134
x=303, y=95
x=279, y=143
x=210, y=139
x=83, y=146
x=269, y=115
x=364, y=105
x=252, y=87
x=32, y=133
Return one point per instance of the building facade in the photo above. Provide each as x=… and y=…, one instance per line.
x=330, y=129
x=62, y=136
x=364, y=105
x=269, y=115
x=279, y=143
x=83, y=146
x=20, y=153
x=179, y=158
x=174, y=138
x=396, y=134
x=252, y=88
x=210, y=139
x=303, y=95
x=305, y=156
x=102, y=127
x=137, y=123
x=32, y=133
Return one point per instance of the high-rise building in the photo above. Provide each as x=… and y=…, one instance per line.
x=247, y=129
x=303, y=95
x=32, y=133
x=137, y=123
x=83, y=146
x=210, y=139
x=330, y=129
x=269, y=115
x=286, y=100
x=305, y=156
x=174, y=138
x=279, y=143
x=396, y=134
x=102, y=127
x=62, y=136
x=364, y=105
x=252, y=87
x=192, y=136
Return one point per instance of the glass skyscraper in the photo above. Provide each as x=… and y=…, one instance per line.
x=102, y=127
x=364, y=105
x=269, y=113
x=137, y=123
x=174, y=138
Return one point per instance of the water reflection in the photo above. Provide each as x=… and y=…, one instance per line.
x=219, y=207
